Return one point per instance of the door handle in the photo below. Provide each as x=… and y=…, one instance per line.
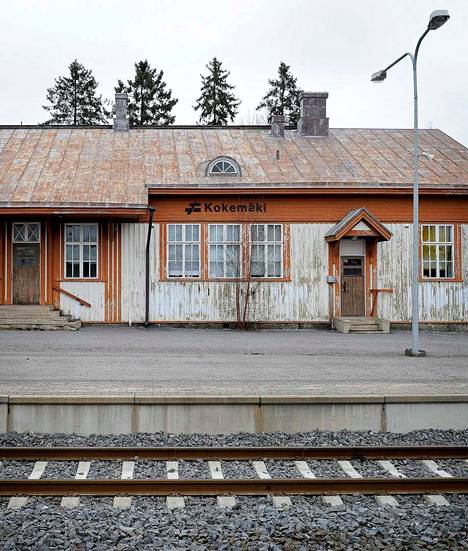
x=344, y=286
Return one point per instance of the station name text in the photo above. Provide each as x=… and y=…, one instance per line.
x=196, y=206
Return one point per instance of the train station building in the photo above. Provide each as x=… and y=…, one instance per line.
x=262, y=224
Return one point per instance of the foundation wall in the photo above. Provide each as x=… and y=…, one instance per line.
x=215, y=415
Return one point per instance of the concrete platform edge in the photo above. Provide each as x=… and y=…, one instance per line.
x=125, y=414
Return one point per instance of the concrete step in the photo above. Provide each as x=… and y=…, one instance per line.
x=41, y=325
x=366, y=331
x=29, y=315
x=26, y=311
x=361, y=324
x=34, y=316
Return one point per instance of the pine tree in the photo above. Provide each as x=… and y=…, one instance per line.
x=217, y=103
x=283, y=96
x=149, y=102
x=73, y=99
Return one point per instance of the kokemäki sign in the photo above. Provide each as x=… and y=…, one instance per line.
x=209, y=206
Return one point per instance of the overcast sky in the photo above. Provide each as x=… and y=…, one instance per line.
x=331, y=45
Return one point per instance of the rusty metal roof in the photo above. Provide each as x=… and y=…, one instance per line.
x=90, y=166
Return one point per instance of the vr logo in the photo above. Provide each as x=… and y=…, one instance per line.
x=193, y=207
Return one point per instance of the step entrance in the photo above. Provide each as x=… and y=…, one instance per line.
x=361, y=324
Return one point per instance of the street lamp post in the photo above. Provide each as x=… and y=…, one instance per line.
x=436, y=20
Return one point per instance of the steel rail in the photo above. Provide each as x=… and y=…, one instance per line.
x=316, y=486
x=234, y=453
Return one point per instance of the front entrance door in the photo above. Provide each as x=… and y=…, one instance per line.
x=352, y=286
x=26, y=256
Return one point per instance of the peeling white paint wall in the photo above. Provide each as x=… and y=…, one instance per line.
x=304, y=298
x=438, y=300
x=91, y=291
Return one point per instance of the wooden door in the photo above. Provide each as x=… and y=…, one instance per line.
x=26, y=273
x=352, y=286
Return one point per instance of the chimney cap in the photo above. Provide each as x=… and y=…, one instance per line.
x=121, y=95
x=313, y=95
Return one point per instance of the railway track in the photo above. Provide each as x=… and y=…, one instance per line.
x=302, y=480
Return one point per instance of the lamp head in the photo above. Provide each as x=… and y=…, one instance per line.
x=379, y=76
x=437, y=19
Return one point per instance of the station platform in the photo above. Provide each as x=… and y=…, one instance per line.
x=127, y=380
x=185, y=362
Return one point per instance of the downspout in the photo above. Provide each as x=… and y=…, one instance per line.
x=147, y=279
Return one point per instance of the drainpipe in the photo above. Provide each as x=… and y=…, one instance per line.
x=147, y=279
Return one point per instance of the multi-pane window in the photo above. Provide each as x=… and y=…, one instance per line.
x=183, y=250
x=29, y=232
x=224, y=250
x=81, y=250
x=223, y=166
x=437, y=251
x=266, y=250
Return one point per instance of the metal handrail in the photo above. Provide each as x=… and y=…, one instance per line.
x=71, y=295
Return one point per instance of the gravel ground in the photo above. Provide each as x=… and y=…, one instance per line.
x=60, y=469
x=238, y=469
x=149, y=469
x=313, y=438
x=16, y=469
x=455, y=467
x=413, y=469
x=254, y=523
x=194, y=469
x=369, y=469
x=105, y=470
x=282, y=469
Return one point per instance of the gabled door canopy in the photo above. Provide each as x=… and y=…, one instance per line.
x=358, y=223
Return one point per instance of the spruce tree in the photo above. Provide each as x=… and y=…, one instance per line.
x=283, y=96
x=149, y=102
x=217, y=103
x=73, y=99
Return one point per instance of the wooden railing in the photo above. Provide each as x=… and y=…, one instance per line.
x=71, y=295
x=375, y=294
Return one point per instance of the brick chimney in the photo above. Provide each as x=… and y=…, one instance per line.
x=121, y=118
x=313, y=120
x=277, y=126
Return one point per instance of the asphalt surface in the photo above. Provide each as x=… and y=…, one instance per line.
x=119, y=360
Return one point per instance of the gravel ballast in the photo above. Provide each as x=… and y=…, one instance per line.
x=254, y=523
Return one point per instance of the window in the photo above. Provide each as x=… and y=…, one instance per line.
x=26, y=232
x=81, y=249
x=223, y=166
x=224, y=250
x=266, y=250
x=437, y=251
x=183, y=250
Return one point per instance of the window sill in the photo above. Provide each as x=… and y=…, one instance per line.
x=81, y=279
x=440, y=279
x=227, y=280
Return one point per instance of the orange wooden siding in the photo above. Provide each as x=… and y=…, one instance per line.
x=310, y=208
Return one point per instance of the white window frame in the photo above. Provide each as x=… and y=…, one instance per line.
x=225, y=243
x=183, y=243
x=265, y=243
x=26, y=225
x=438, y=244
x=81, y=244
x=224, y=163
